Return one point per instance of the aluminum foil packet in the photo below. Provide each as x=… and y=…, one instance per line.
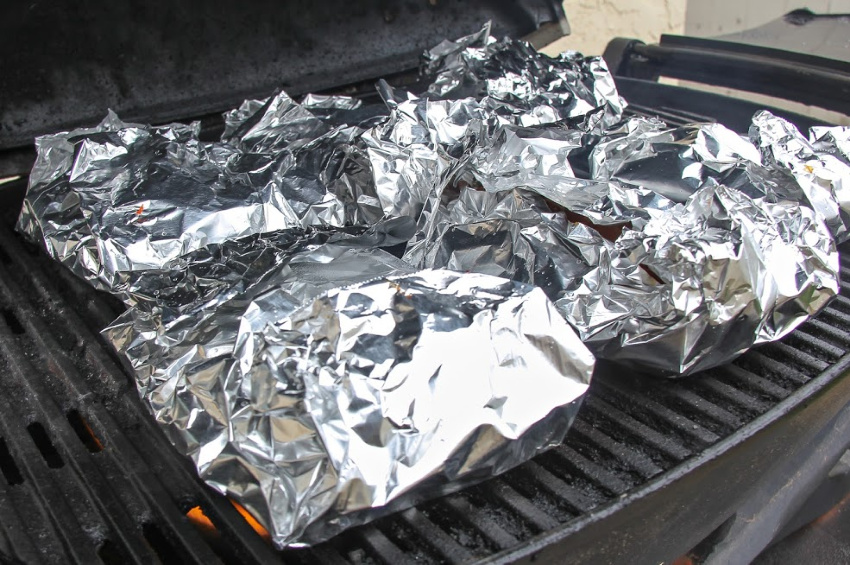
x=478, y=84
x=705, y=281
x=776, y=163
x=518, y=84
x=324, y=415
x=123, y=198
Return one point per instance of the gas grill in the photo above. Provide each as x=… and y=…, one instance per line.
x=710, y=467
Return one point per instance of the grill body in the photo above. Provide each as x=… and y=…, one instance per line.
x=652, y=469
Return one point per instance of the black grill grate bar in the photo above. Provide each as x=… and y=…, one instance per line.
x=458, y=526
x=748, y=380
x=66, y=321
x=480, y=521
x=17, y=544
x=573, y=461
x=810, y=364
x=325, y=554
x=715, y=389
x=576, y=500
x=506, y=496
x=841, y=301
x=652, y=412
x=39, y=527
x=381, y=546
x=439, y=541
x=759, y=362
x=815, y=346
x=838, y=337
x=50, y=504
x=622, y=454
x=837, y=317
x=719, y=417
x=614, y=417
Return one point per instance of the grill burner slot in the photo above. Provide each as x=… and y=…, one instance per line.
x=8, y=466
x=167, y=553
x=45, y=446
x=108, y=553
x=84, y=432
x=12, y=322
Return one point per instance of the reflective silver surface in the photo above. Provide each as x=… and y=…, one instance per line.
x=122, y=198
x=319, y=405
x=820, y=170
x=704, y=281
x=308, y=415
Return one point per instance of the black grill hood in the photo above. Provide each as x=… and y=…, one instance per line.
x=64, y=64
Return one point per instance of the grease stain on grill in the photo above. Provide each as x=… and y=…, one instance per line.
x=45, y=446
x=8, y=466
x=84, y=432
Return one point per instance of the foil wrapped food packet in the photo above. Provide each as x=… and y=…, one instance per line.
x=715, y=247
x=695, y=286
x=775, y=162
x=516, y=82
x=718, y=274
x=311, y=415
x=123, y=198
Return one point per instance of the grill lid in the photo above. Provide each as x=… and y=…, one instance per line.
x=64, y=65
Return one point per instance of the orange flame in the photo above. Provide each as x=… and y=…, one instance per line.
x=200, y=520
x=91, y=433
x=264, y=533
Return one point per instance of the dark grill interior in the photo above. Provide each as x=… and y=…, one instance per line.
x=88, y=476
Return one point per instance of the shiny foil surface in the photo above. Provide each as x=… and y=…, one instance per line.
x=122, y=198
x=308, y=410
x=340, y=309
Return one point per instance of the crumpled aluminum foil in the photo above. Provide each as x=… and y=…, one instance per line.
x=122, y=198
x=823, y=178
x=478, y=84
x=704, y=281
x=515, y=82
x=312, y=416
x=687, y=275
x=776, y=163
x=319, y=405
x=512, y=234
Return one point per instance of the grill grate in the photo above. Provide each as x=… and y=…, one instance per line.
x=87, y=476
